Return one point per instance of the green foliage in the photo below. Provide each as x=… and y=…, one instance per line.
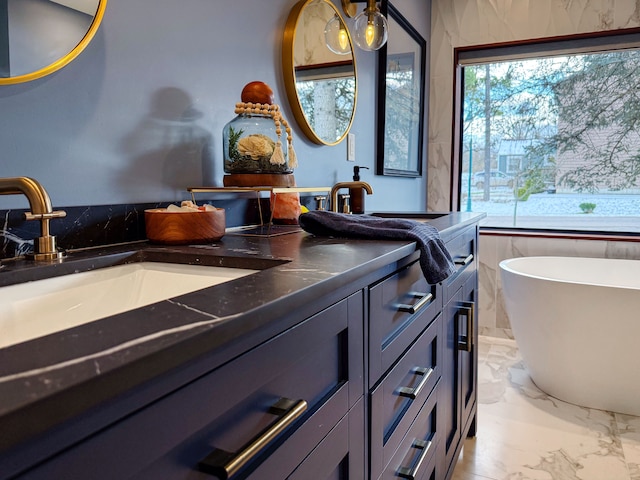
x=587, y=207
x=234, y=136
x=523, y=194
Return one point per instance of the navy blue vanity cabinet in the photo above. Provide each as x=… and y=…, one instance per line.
x=291, y=405
x=407, y=396
x=458, y=392
x=375, y=381
x=405, y=356
x=419, y=454
x=422, y=377
x=400, y=308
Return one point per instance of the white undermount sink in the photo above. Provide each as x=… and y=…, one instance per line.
x=34, y=309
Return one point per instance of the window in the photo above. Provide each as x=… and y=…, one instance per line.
x=556, y=129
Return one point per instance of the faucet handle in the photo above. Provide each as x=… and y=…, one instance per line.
x=321, y=200
x=345, y=203
x=45, y=216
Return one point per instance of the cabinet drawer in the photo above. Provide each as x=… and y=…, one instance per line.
x=402, y=393
x=400, y=307
x=463, y=250
x=319, y=361
x=418, y=454
x=340, y=455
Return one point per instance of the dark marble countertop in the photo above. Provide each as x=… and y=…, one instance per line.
x=47, y=383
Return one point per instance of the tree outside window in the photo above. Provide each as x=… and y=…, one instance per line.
x=566, y=129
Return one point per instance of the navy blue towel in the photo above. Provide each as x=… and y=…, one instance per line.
x=435, y=260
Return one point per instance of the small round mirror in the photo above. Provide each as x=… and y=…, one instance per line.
x=319, y=71
x=39, y=37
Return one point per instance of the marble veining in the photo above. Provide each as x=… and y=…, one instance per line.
x=525, y=434
x=120, y=347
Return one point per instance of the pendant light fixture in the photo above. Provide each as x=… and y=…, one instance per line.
x=337, y=37
x=370, y=28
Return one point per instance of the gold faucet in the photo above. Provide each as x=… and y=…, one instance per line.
x=340, y=185
x=44, y=247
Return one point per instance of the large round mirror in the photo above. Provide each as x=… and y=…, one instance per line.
x=38, y=37
x=319, y=71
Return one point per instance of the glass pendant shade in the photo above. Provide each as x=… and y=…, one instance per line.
x=336, y=36
x=371, y=30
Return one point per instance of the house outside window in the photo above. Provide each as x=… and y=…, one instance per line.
x=558, y=132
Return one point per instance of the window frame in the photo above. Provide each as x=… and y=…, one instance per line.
x=593, y=42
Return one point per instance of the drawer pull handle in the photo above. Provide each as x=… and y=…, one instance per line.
x=225, y=464
x=412, y=473
x=413, y=393
x=465, y=343
x=464, y=261
x=419, y=305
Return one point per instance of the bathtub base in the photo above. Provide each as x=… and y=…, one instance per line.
x=577, y=326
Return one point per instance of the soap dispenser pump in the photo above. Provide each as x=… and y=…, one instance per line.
x=357, y=193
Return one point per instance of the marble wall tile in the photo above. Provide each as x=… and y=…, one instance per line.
x=439, y=197
x=487, y=279
x=440, y=125
x=622, y=250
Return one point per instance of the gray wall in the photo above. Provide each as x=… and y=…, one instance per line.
x=138, y=116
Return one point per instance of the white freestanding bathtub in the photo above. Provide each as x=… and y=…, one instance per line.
x=577, y=324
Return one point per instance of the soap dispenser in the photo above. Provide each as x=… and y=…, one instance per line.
x=357, y=193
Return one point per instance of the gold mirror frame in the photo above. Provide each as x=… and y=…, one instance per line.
x=291, y=33
x=66, y=59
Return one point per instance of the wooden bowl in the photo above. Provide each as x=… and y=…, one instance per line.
x=180, y=228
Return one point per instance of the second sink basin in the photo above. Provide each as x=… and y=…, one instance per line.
x=34, y=309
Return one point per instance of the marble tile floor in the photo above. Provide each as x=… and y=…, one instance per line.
x=524, y=434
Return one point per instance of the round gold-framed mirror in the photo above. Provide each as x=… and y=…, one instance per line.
x=319, y=68
x=38, y=37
